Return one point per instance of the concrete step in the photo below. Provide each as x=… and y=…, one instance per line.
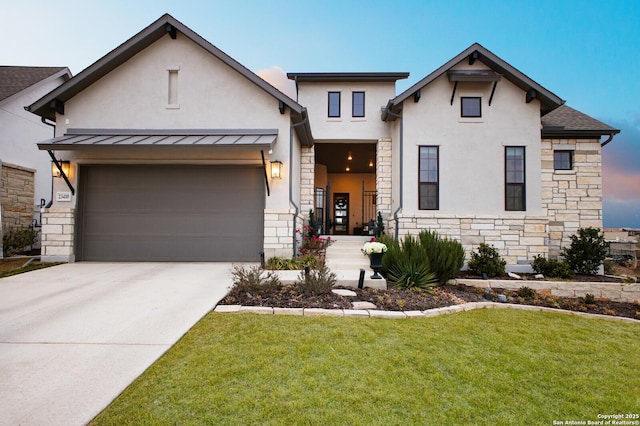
x=344, y=278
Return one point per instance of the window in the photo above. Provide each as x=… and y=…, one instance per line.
x=514, y=178
x=563, y=160
x=334, y=104
x=428, y=183
x=470, y=107
x=358, y=104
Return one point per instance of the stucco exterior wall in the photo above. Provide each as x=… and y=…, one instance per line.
x=314, y=96
x=20, y=130
x=209, y=95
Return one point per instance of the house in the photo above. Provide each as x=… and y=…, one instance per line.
x=26, y=171
x=177, y=152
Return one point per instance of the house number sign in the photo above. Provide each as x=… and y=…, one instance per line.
x=63, y=196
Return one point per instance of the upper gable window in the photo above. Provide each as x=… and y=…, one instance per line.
x=470, y=107
x=334, y=104
x=358, y=104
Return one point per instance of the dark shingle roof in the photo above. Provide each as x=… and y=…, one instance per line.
x=566, y=120
x=16, y=79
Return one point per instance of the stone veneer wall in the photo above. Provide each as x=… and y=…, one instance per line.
x=383, y=179
x=58, y=231
x=279, y=231
x=517, y=239
x=307, y=180
x=16, y=196
x=571, y=198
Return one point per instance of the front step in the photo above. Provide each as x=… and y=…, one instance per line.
x=345, y=259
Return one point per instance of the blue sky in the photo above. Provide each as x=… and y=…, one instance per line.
x=584, y=51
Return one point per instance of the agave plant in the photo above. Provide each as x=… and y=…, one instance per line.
x=411, y=273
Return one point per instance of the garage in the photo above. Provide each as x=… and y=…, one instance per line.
x=170, y=213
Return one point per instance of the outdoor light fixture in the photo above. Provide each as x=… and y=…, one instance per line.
x=276, y=169
x=66, y=166
x=349, y=157
x=348, y=168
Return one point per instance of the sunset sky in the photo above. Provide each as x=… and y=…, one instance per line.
x=586, y=52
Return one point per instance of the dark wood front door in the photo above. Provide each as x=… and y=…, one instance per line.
x=341, y=213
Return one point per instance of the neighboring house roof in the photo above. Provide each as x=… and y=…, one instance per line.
x=347, y=76
x=165, y=25
x=548, y=100
x=14, y=79
x=565, y=122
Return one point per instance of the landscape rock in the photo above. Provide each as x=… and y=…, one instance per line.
x=514, y=276
x=363, y=305
x=343, y=292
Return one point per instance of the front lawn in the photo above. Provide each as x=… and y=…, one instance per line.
x=478, y=367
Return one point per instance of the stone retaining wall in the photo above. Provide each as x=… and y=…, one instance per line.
x=612, y=291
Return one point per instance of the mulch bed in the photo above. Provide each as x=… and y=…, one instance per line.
x=531, y=277
x=394, y=299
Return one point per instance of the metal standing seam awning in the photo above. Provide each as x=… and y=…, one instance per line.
x=220, y=139
x=76, y=139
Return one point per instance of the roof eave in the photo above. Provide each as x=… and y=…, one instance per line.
x=549, y=101
x=577, y=133
x=133, y=46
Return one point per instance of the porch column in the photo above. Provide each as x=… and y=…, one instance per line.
x=383, y=178
x=307, y=179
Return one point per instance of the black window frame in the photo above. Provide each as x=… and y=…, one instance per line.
x=329, y=111
x=353, y=103
x=510, y=187
x=558, y=163
x=462, y=104
x=422, y=185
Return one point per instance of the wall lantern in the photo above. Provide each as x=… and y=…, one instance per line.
x=276, y=169
x=66, y=166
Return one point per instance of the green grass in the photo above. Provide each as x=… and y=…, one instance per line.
x=493, y=367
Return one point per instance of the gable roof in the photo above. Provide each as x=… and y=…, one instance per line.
x=168, y=26
x=548, y=100
x=565, y=121
x=14, y=79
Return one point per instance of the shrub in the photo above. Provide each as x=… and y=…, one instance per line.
x=317, y=282
x=587, y=251
x=446, y=256
x=311, y=242
x=412, y=273
x=487, y=261
x=526, y=292
x=590, y=299
x=551, y=267
x=17, y=240
x=284, y=264
x=253, y=280
x=609, y=267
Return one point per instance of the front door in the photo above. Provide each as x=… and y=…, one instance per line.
x=341, y=213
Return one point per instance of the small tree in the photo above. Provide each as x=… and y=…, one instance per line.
x=587, y=251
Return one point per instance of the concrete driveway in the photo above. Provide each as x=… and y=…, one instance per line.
x=73, y=336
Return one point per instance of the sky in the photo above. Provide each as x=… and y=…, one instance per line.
x=586, y=51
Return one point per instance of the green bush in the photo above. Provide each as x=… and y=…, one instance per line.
x=317, y=282
x=446, y=256
x=412, y=273
x=609, y=267
x=442, y=258
x=587, y=251
x=253, y=280
x=378, y=229
x=285, y=264
x=17, y=240
x=487, y=261
x=551, y=267
x=526, y=292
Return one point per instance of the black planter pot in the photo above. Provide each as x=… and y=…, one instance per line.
x=375, y=262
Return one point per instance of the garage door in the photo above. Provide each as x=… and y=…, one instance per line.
x=170, y=213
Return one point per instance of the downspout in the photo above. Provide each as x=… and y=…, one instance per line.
x=295, y=207
x=395, y=214
x=44, y=121
x=607, y=141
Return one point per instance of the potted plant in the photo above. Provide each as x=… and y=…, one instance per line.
x=375, y=251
